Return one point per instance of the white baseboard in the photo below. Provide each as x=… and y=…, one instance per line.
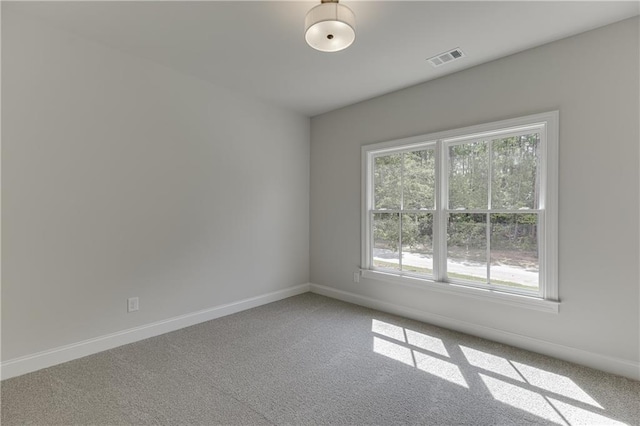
x=51, y=357
x=622, y=367
x=48, y=358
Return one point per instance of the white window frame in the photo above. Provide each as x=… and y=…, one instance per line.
x=547, y=124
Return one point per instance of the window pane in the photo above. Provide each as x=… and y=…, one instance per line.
x=386, y=240
x=417, y=243
x=467, y=247
x=419, y=179
x=387, y=174
x=514, y=182
x=468, y=176
x=514, y=250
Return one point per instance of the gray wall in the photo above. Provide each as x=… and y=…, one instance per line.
x=592, y=79
x=123, y=178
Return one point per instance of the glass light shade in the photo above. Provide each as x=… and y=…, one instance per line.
x=330, y=27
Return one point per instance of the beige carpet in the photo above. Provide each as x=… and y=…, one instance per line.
x=313, y=360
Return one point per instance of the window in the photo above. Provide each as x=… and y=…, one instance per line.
x=471, y=211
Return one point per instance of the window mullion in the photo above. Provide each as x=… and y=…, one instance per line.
x=402, y=181
x=440, y=215
x=488, y=217
x=488, y=236
x=370, y=206
x=370, y=241
x=400, y=215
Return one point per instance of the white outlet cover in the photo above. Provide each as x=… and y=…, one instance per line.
x=132, y=304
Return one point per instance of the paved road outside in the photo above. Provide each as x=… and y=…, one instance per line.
x=498, y=272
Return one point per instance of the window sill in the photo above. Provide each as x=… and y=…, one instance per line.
x=516, y=300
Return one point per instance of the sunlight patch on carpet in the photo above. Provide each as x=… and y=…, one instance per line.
x=490, y=362
x=522, y=399
x=578, y=416
x=555, y=383
x=423, y=362
x=413, y=338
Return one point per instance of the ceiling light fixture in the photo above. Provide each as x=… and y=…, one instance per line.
x=330, y=26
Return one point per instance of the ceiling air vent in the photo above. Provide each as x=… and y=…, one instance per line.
x=446, y=57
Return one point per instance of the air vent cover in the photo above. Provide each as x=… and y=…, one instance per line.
x=446, y=57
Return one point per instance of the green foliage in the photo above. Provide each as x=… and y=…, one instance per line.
x=417, y=231
x=386, y=230
x=468, y=176
x=514, y=183
x=387, y=178
x=467, y=231
x=514, y=232
x=509, y=231
x=406, y=181
x=419, y=180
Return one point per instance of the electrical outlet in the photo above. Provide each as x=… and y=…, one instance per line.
x=132, y=304
x=356, y=277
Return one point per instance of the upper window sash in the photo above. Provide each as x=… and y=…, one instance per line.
x=491, y=168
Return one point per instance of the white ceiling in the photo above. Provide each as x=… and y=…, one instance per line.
x=259, y=48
